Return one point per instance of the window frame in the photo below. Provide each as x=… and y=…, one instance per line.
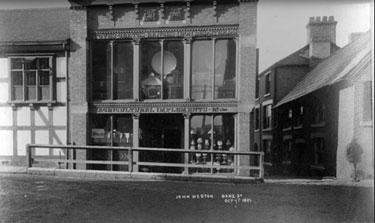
x=267, y=120
x=267, y=84
x=38, y=73
x=112, y=70
x=213, y=41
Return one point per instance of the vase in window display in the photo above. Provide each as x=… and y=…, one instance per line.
x=206, y=146
x=151, y=87
x=225, y=156
x=218, y=156
x=230, y=157
x=199, y=147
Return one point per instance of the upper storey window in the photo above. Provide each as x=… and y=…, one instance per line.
x=213, y=69
x=112, y=70
x=162, y=69
x=31, y=79
x=267, y=89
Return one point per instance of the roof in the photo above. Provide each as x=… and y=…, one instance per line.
x=345, y=63
x=34, y=25
x=298, y=58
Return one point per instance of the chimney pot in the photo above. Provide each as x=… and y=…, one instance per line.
x=318, y=19
x=324, y=18
x=331, y=19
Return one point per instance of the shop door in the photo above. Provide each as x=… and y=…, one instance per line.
x=161, y=131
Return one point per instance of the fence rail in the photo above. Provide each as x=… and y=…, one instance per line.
x=68, y=159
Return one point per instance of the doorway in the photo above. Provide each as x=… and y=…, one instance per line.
x=161, y=131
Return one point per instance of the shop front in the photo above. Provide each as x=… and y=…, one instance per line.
x=171, y=75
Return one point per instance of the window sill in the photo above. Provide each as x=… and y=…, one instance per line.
x=266, y=95
x=297, y=127
x=317, y=125
x=366, y=123
x=31, y=104
x=317, y=167
x=267, y=164
x=287, y=129
x=256, y=130
x=267, y=129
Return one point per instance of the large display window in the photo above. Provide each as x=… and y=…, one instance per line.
x=112, y=70
x=213, y=69
x=212, y=132
x=161, y=69
x=111, y=130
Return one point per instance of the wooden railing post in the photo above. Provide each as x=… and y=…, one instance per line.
x=130, y=160
x=28, y=156
x=261, y=174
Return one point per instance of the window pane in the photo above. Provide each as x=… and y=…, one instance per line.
x=150, y=72
x=173, y=65
x=201, y=68
x=30, y=63
x=43, y=63
x=44, y=87
x=225, y=69
x=16, y=63
x=224, y=138
x=200, y=137
x=17, y=84
x=123, y=70
x=31, y=85
x=101, y=70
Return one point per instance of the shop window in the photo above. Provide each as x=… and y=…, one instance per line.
x=267, y=150
x=112, y=70
x=162, y=69
x=257, y=119
x=111, y=130
x=31, y=79
x=267, y=116
x=212, y=132
x=213, y=69
x=319, y=151
x=267, y=79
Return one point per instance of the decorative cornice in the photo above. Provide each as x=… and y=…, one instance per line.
x=167, y=32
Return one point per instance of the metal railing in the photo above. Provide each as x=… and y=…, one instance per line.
x=68, y=160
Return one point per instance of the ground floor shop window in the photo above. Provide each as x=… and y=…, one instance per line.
x=111, y=130
x=212, y=132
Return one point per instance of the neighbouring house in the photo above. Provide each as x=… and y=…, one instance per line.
x=328, y=109
x=278, y=80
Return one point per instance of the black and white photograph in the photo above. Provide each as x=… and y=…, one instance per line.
x=181, y=111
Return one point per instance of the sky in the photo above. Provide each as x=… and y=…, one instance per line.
x=281, y=28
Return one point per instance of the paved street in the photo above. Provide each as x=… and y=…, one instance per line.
x=26, y=198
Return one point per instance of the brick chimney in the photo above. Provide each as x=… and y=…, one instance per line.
x=321, y=32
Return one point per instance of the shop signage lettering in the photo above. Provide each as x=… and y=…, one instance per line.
x=165, y=33
x=164, y=110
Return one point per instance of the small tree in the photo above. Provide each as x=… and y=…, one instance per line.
x=353, y=155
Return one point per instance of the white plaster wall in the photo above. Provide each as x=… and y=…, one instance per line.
x=41, y=116
x=6, y=116
x=345, y=132
x=4, y=92
x=23, y=116
x=23, y=138
x=41, y=137
x=60, y=67
x=61, y=91
x=4, y=67
x=59, y=139
x=6, y=145
x=59, y=116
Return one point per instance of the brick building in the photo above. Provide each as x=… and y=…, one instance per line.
x=278, y=80
x=326, y=111
x=170, y=74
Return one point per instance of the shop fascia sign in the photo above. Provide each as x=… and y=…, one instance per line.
x=164, y=109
